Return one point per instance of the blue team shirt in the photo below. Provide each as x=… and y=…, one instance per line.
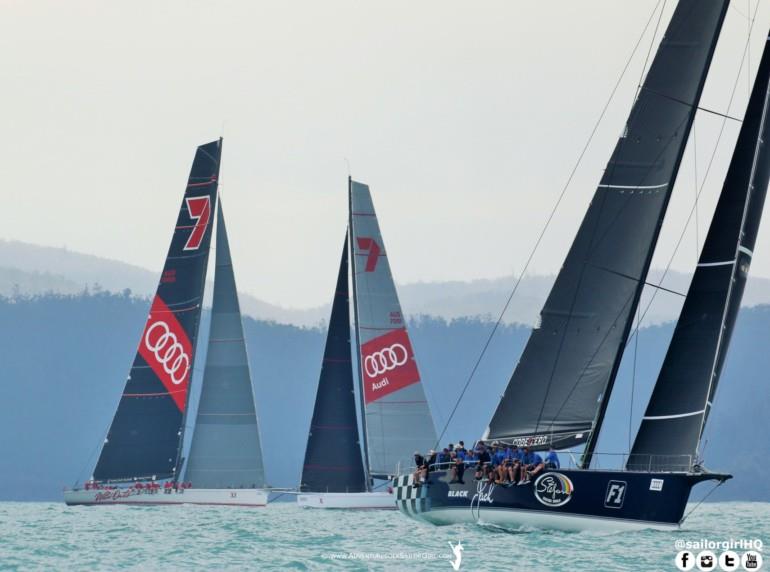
x=553, y=458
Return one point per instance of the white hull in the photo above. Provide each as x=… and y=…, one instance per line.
x=375, y=500
x=132, y=496
x=512, y=519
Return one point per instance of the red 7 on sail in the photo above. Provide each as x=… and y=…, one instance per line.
x=200, y=211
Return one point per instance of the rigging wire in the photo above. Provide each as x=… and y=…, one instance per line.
x=548, y=222
x=693, y=509
x=633, y=385
x=695, y=188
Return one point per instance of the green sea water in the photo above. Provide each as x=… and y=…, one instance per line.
x=51, y=536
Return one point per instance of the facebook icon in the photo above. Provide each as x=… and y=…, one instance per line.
x=685, y=560
x=616, y=493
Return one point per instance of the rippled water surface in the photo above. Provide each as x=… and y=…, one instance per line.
x=43, y=536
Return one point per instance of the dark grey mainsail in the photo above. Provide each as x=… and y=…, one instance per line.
x=673, y=423
x=333, y=461
x=397, y=419
x=146, y=433
x=225, y=451
x=559, y=390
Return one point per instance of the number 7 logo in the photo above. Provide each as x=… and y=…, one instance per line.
x=200, y=211
x=365, y=243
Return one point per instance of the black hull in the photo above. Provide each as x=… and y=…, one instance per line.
x=565, y=500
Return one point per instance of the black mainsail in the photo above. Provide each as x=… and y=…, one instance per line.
x=225, y=451
x=333, y=461
x=146, y=432
x=676, y=414
x=559, y=391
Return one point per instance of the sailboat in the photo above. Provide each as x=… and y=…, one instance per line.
x=396, y=419
x=559, y=391
x=141, y=459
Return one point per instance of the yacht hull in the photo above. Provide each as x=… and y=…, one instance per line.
x=373, y=500
x=571, y=500
x=133, y=496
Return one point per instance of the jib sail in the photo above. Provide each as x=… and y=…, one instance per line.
x=225, y=451
x=333, y=460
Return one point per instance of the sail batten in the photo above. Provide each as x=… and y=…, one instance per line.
x=558, y=392
x=673, y=423
x=225, y=451
x=146, y=432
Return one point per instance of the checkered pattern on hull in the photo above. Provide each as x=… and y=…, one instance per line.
x=410, y=500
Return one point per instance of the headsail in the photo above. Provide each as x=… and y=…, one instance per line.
x=673, y=423
x=143, y=440
x=397, y=418
x=225, y=451
x=333, y=460
x=559, y=390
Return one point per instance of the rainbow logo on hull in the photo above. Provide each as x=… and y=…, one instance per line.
x=553, y=489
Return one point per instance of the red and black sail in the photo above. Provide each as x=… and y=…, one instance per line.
x=144, y=438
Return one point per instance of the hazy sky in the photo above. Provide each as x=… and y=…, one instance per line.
x=465, y=118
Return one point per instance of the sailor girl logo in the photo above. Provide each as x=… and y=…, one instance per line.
x=388, y=365
x=553, y=489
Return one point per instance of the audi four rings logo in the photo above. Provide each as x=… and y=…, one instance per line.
x=385, y=359
x=168, y=352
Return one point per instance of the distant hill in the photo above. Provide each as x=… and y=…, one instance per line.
x=64, y=360
x=30, y=269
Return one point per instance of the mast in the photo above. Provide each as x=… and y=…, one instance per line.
x=672, y=426
x=358, y=337
x=144, y=439
x=558, y=393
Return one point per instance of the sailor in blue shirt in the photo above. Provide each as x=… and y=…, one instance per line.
x=532, y=464
x=552, y=460
x=499, y=456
